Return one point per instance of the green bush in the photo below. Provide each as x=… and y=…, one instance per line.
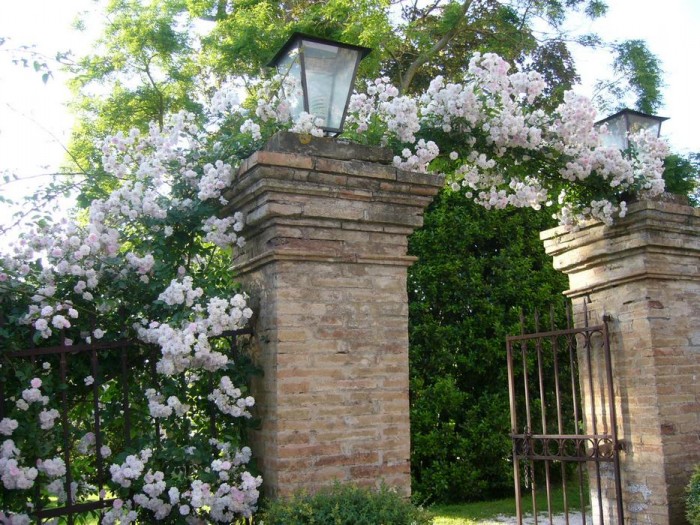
x=692, y=502
x=345, y=505
x=476, y=269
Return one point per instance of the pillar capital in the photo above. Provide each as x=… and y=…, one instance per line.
x=655, y=240
x=296, y=191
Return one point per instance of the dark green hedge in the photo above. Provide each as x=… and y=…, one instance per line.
x=692, y=501
x=477, y=268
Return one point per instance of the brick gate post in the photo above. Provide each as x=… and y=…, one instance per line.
x=326, y=230
x=644, y=272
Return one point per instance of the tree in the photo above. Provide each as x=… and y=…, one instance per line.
x=26, y=56
x=637, y=80
x=149, y=49
x=682, y=176
x=156, y=57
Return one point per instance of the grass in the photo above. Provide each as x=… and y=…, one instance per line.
x=471, y=513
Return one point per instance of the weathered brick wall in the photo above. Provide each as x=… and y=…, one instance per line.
x=327, y=228
x=645, y=273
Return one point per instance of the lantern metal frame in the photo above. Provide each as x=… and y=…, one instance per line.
x=296, y=41
x=626, y=115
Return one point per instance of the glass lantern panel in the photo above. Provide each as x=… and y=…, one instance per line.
x=329, y=74
x=290, y=68
x=616, y=137
x=642, y=122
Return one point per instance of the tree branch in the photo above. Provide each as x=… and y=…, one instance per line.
x=161, y=98
x=218, y=16
x=436, y=48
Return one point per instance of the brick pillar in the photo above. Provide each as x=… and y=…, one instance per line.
x=327, y=227
x=644, y=272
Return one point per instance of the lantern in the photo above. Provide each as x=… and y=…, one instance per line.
x=627, y=121
x=323, y=72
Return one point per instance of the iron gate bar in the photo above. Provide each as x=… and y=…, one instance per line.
x=124, y=361
x=77, y=508
x=593, y=448
x=65, y=432
x=575, y=403
x=71, y=349
x=98, y=426
x=591, y=397
x=554, y=333
x=560, y=423
x=543, y=414
x=513, y=426
x=524, y=446
x=523, y=353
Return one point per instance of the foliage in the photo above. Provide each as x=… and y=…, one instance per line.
x=636, y=62
x=682, y=176
x=155, y=247
x=163, y=56
x=26, y=56
x=344, y=504
x=475, y=270
x=505, y=149
x=692, y=499
x=637, y=80
x=145, y=70
x=168, y=109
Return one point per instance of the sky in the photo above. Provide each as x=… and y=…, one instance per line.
x=34, y=120
x=672, y=31
x=35, y=124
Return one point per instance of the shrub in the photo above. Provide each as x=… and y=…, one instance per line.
x=345, y=505
x=692, y=502
x=476, y=269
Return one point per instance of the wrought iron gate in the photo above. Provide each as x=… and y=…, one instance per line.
x=563, y=418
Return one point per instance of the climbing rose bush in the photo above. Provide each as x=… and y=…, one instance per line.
x=147, y=261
